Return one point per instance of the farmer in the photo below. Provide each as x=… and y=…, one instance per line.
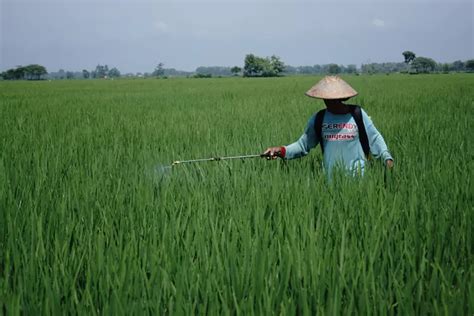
x=345, y=132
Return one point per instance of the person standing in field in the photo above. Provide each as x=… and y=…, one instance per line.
x=346, y=133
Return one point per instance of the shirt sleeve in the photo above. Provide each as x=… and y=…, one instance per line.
x=304, y=144
x=378, y=147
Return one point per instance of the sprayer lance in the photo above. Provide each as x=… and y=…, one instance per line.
x=216, y=159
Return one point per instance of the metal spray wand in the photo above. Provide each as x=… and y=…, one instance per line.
x=177, y=162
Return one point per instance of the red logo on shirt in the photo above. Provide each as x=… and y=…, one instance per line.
x=339, y=131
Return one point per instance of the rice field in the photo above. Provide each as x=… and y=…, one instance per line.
x=93, y=221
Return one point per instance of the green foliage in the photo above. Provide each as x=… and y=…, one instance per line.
x=255, y=66
x=445, y=67
x=321, y=69
x=200, y=75
x=101, y=71
x=458, y=65
x=470, y=65
x=378, y=68
x=276, y=66
x=334, y=69
x=30, y=72
x=114, y=73
x=69, y=75
x=236, y=70
x=351, y=69
x=409, y=56
x=91, y=224
x=159, y=70
x=214, y=71
x=423, y=64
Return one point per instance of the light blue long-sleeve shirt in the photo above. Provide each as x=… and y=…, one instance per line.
x=341, y=142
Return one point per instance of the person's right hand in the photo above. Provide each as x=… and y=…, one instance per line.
x=273, y=152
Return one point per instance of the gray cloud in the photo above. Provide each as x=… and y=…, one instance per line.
x=136, y=35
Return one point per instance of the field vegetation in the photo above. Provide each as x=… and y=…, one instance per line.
x=93, y=221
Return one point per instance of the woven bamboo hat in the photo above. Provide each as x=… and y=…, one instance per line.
x=331, y=87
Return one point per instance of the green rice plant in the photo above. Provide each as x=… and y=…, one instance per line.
x=91, y=222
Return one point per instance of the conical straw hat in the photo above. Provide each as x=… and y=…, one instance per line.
x=331, y=87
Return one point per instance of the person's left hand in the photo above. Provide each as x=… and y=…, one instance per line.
x=389, y=163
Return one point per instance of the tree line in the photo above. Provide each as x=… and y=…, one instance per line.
x=30, y=72
x=100, y=72
x=254, y=66
x=418, y=64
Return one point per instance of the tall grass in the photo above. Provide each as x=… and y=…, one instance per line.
x=89, y=224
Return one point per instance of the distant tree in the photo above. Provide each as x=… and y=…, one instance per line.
x=423, y=64
x=445, y=67
x=19, y=73
x=101, y=71
x=277, y=66
x=351, y=69
x=159, y=70
x=236, y=70
x=317, y=69
x=469, y=65
x=255, y=66
x=458, y=65
x=200, y=75
x=37, y=71
x=409, y=56
x=369, y=68
x=321, y=69
x=85, y=74
x=61, y=74
x=373, y=68
x=304, y=69
x=69, y=75
x=324, y=69
x=14, y=73
x=114, y=73
x=176, y=73
x=268, y=70
x=334, y=69
x=214, y=70
x=41, y=71
x=33, y=72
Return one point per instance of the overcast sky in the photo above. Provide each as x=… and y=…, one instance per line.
x=134, y=35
